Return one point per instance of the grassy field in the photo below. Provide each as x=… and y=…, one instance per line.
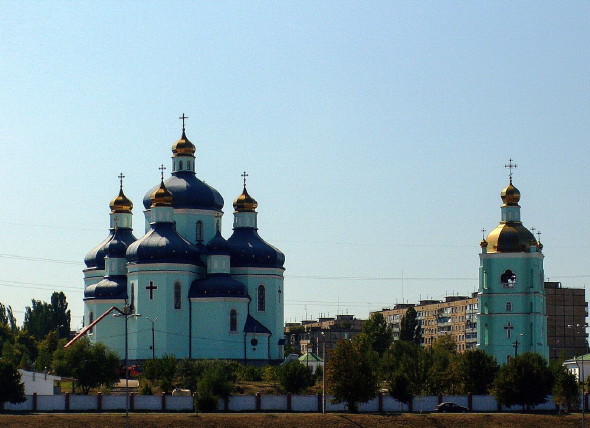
x=284, y=420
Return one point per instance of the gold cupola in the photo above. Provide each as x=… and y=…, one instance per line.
x=183, y=147
x=121, y=203
x=245, y=203
x=161, y=196
x=510, y=195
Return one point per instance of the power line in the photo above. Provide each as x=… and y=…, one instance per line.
x=39, y=259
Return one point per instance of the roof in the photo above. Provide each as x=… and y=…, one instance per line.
x=111, y=287
x=188, y=192
x=248, y=249
x=95, y=257
x=254, y=326
x=217, y=285
x=163, y=244
x=310, y=356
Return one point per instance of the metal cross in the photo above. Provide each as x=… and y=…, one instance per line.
x=183, y=117
x=162, y=169
x=151, y=287
x=244, y=175
x=510, y=167
x=538, y=236
x=483, y=234
x=121, y=177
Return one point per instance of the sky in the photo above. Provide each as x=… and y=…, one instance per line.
x=374, y=134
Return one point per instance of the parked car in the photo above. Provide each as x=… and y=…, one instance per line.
x=449, y=407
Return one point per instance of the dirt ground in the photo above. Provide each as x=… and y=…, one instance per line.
x=285, y=420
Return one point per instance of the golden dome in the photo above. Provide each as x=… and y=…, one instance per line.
x=121, y=204
x=161, y=197
x=245, y=203
x=183, y=147
x=510, y=195
x=510, y=237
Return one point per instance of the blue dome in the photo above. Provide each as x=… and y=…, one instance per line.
x=95, y=257
x=248, y=249
x=188, y=192
x=218, y=245
x=217, y=285
x=112, y=287
x=162, y=244
x=116, y=247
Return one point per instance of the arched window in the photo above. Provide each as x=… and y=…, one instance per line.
x=188, y=165
x=90, y=321
x=199, y=231
x=177, y=296
x=233, y=320
x=261, y=298
x=508, y=279
x=180, y=165
x=508, y=306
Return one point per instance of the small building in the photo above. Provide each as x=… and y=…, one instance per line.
x=40, y=383
x=312, y=360
x=579, y=366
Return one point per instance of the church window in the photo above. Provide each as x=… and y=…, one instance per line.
x=508, y=279
x=177, y=296
x=180, y=165
x=90, y=321
x=508, y=358
x=199, y=231
x=508, y=327
x=261, y=298
x=233, y=320
x=508, y=306
x=188, y=164
x=486, y=336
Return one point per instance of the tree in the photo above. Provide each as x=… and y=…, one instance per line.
x=42, y=317
x=295, y=377
x=565, y=388
x=399, y=388
x=91, y=364
x=162, y=370
x=525, y=380
x=478, y=371
x=377, y=331
x=410, y=329
x=12, y=390
x=46, y=349
x=7, y=317
x=351, y=375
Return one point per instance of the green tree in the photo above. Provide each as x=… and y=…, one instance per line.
x=7, y=317
x=91, y=364
x=410, y=329
x=399, y=387
x=351, y=375
x=60, y=314
x=295, y=377
x=525, y=380
x=565, y=388
x=478, y=371
x=12, y=390
x=163, y=371
x=46, y=349
x=377, y=331
x=42, y=317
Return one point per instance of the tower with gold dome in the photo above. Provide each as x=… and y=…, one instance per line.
x=212, y=298
x=512, y=317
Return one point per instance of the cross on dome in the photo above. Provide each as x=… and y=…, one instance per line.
x=483, y=233
x=244, y=175
x=162, y=169
x=121, y=177
x=183, y=117
x=510, y=167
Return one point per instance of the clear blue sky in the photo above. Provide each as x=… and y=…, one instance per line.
x=375, y=135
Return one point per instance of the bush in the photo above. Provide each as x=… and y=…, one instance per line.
x=295, y=377
x=205, y=401
x=250, y=373
x=145, y=387
x=270, y=374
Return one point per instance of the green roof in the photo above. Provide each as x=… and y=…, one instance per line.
x=312, y=357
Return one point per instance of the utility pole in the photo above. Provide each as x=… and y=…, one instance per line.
x=153, y=321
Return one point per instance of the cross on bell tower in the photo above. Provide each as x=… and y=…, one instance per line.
x=244, y=175
x=510, y=167
x=183, y=117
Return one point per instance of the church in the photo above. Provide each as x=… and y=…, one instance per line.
x=194, y=293
x=512, y=315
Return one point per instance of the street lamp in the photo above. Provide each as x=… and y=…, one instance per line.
x=515, y=344
x=126, y=312
x=153, y=321
x=324, y=372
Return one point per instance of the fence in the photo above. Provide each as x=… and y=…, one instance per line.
x=253, y=403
